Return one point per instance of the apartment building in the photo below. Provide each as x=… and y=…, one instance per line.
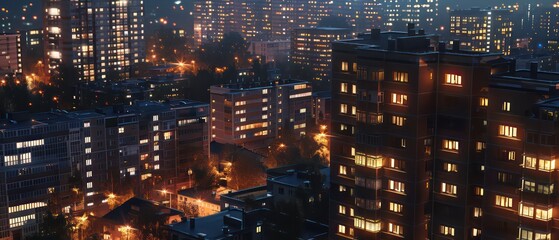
x=103, y=40
x=311, y=48
x=483, y=30
x=10, y=54
x=118, y=149
x=409, y=129
x=252, y=114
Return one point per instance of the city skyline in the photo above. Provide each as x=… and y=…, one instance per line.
x=279, y=119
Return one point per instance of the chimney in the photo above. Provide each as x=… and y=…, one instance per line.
x=411, y=26
x=421, y=32
x=512, y=66
x=391, y=45
x=456, y=45
x=192, y=223
x=534, y=70
x=442, y=46
x=375, y=34
x=411, y=32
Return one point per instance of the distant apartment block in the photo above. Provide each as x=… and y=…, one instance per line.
x=311, y=48
x=483, y=30
x=271, y=51
x=252, y=114
x=10, y=53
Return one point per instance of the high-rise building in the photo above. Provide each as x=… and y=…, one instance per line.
x=35, y=168
x=409, y=127
x=521, y=152
x=544, y=31
x=102, y=39
x=311, y=48
x=10, y=53
x=253, y=114
x=275, y=19
x=483, y=30
x=113, y=149
x=423, y=13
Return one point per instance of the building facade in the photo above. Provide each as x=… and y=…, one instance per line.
x=483, y=30
x=253, y=114
x=121, y=150
x=10, y=53
x=102, y=39
x=311, y=48
x=409, y=129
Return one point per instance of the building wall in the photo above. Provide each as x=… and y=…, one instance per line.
x=253, y=116
x=10, y=53
x=101, y=39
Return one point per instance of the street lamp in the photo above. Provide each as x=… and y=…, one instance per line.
x=190, y=177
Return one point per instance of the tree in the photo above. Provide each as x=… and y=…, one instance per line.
x=245, y=172
x=53, y=227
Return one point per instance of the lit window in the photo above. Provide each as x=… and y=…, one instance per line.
x=155, y=118
x=525, y=211
x=395, y=207
x=398, y=121
x=341, y=209
x=341, y=228
x=353, y=110
x=530, y=162
x=343, y=87
x=86, y=124
x=511, y=155
x=544, y=214
x=89, y=174
x=345, y=66
x=503, y=201
x=343, y=108
x=524, y=234
x=507, y=131
x=543, y=236
x=120, y=130
x=546, y=165
x=258, y=229
x=448, y=188
x=401, y=77
x=453, y=79
x=450, y=167
x=353, y=89
x=396, y=229
x=478, y=191
x=396, y=186
x=399, y=99
x=476, y=232
x=343, y=170
x=450, y=145
x=87, y=139
x=156, y=166
x=446, y=230
x=483, y=102
x=89, y=185
x=478, y=212
x=88, y=162
x=506, y=106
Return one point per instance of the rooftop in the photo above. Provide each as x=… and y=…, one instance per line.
x=129, y=210
x=211, y=227
x=206, y=195
x=244, y=86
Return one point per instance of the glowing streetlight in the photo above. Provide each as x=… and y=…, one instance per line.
x=190, y=177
